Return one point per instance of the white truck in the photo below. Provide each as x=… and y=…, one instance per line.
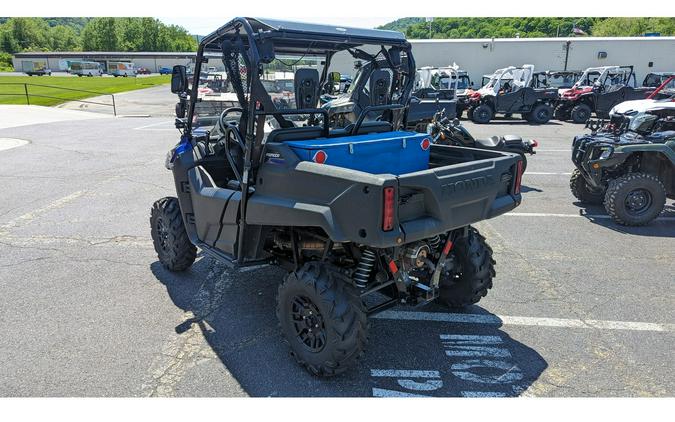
x=84, y=68
x=123, y=69
x=35, y=67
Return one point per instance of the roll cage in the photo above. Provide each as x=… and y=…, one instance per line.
x=619, y=75
x=247, y=43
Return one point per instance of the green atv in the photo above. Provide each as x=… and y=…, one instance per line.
x=629, y=168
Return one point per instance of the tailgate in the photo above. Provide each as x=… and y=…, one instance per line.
x=462, y=186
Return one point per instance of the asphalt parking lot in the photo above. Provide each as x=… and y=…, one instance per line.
x=580, y=306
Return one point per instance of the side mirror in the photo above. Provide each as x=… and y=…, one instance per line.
x=180, y=108
x=471, y=84
x=179, y=83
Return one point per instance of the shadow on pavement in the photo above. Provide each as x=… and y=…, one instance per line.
x=657, y=228
x=403, y=357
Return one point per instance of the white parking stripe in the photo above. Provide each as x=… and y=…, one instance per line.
x=153, y=125
x=383, y=392
x=403, y=373
x=594, y=216
x=474, y=394
x=523, y=321
x=543, y=173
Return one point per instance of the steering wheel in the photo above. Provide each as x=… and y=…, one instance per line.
x=231, y=134
x=222, y=123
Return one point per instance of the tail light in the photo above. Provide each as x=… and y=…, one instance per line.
x=388, y=210
x=535, y=143
x=320, y=157
x=519, y=177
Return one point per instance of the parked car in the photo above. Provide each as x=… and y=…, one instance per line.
x=142, y=71
x=362, y=217
x=165, y=70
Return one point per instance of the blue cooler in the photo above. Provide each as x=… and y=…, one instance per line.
x=377, y=153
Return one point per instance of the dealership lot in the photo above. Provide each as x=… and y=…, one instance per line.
x=580, y=306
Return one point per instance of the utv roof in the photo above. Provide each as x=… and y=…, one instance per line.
x=306, y=38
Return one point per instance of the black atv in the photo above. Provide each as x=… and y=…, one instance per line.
x=450, y=132
x=363, y=217
x=628, y=168
x=510, y=91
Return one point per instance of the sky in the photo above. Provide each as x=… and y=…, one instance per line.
x=205, y=25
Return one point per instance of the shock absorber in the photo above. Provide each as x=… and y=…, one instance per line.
x=434, y=243
x=364, y=268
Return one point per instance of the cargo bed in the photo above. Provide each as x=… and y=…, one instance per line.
x=461, y=186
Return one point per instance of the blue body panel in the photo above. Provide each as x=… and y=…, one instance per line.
x=376, y=153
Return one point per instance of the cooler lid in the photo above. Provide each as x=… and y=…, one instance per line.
x=346, y=140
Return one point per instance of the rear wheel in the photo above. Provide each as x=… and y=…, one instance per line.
x=635, y=199
x=476, y=270
x=541, y=114
x=582, y=191
x=580, y=113
x=171, y=242
x=482, y=114
x=322, y=319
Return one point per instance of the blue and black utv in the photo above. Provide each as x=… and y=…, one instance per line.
x=363, y=216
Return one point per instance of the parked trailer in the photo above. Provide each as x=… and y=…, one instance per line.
x=35, y=67
x=123, y=69
x=82, y=68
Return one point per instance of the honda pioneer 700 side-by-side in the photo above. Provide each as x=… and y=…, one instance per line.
x=363, y=217
x=629, y=168
x=597, y=91
x=509, y=91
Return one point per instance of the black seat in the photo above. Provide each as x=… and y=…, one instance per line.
x=295, y=134
x=306, y=84
x=375, y=126
x=512, y=139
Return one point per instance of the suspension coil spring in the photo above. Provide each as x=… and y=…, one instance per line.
x=435, y=242
x=365, y=267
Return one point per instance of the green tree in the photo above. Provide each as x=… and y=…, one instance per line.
x=63, y=38
x=621, y=27
x=100, y=34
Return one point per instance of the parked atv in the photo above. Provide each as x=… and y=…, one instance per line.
x=444, y=84
x=597, y=91
x=630, y=169
x=450, y=132
x=662, y=97
x=509, y=92
x=561, y=80
x=363, y=217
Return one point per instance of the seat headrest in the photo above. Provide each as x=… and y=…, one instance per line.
x=306, y=88
x=380, y=81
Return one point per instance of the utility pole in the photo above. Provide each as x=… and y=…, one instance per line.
x=429, y=20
